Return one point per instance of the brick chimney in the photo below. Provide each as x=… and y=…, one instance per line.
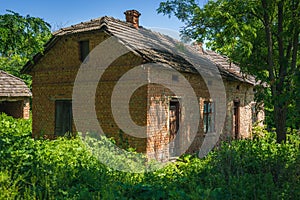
x=132, y=16
x=198, y=46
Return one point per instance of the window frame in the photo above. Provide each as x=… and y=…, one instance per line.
x=208, y=116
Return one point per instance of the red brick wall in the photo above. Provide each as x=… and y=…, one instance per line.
x=137, y=103
x=158, y=122
x=53, y=79
x=158, y=94
x=159, y=139
x=26, y=109
x=244, y=93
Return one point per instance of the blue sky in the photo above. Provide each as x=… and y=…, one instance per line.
x=62, y=13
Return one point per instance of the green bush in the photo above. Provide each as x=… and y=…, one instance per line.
x=66, y=169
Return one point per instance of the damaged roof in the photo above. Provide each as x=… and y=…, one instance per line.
x=11, y=86
x=153, y=47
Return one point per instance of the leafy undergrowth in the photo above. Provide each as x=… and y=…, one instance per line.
x=65, y=169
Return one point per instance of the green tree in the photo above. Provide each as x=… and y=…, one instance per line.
x=262, y=36
x=20, y=39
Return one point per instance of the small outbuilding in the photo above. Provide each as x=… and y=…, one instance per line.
x=14, y=96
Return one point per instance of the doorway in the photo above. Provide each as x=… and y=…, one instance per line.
x=63, y=117
x=174, y=124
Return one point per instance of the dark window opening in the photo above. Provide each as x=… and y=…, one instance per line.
x=63, y=117
x=209, y=116
x=254, y=113
x=236, y=119
x=84, y=49
x=175, y=78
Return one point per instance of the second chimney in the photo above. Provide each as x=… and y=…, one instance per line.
x=132, y=16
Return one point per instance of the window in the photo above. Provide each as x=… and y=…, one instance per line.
x=209, y=116
x=175, y=78
x=236, y=118
x=254, y=113
x=84, y=49
x=63, y=117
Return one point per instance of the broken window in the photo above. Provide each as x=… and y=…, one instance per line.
x=63, y=117
x=209, y=116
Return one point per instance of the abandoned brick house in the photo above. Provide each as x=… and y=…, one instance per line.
x=54, y=72
x=14, y=96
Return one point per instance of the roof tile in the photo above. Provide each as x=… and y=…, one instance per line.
x=11, y=86
x=154, y=46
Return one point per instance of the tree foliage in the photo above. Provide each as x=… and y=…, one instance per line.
x=21, y=37
x=262, y=36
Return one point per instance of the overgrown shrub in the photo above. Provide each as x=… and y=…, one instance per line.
x=66, y=169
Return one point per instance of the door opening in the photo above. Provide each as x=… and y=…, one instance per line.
x=174, y=123
x=63, y=117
